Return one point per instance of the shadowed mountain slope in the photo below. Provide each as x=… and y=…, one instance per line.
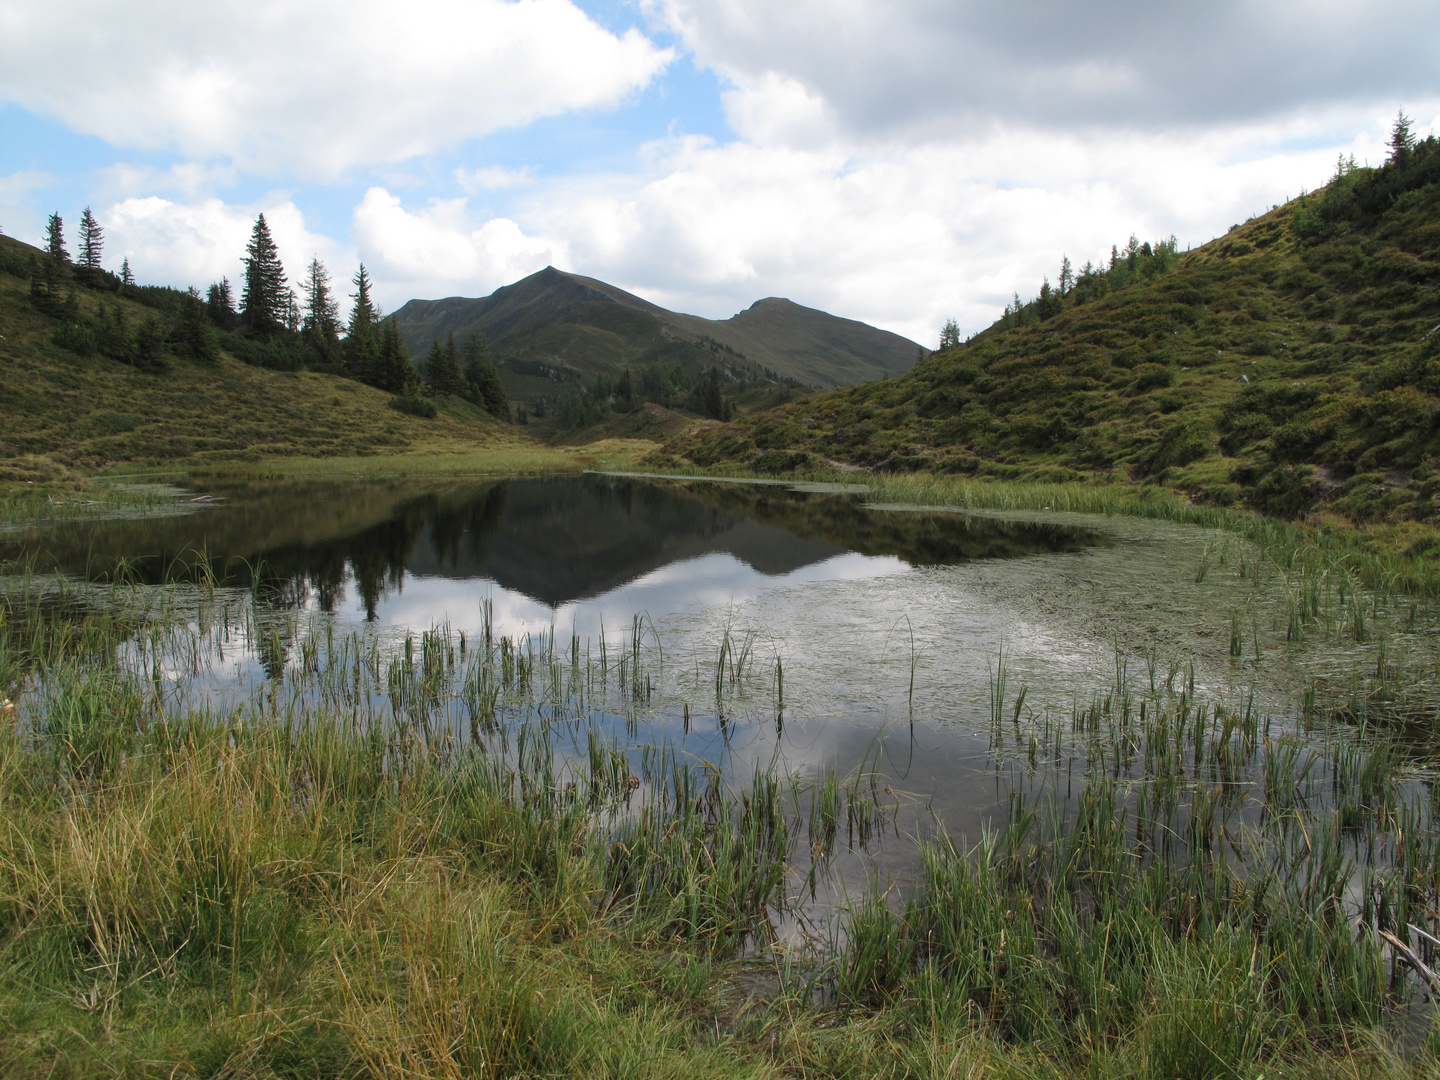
x=568, y=323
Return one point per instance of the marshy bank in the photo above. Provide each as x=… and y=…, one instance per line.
x=290, y=824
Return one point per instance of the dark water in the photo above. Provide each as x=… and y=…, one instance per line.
x=540, y=546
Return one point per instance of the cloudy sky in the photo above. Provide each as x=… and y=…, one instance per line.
x=897, y=161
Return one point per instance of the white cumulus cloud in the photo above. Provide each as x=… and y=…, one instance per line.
x=439, y=251
x=20, y=214
x=311, y=88
x=183, y=244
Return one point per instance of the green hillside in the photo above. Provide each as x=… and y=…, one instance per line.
x=554, y=328
x=65, y=406
x=1292, y=362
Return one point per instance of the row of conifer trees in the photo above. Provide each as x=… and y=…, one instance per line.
x=270, y=326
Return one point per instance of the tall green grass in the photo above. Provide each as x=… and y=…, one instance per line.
x=462, y=856
x=1204, y=896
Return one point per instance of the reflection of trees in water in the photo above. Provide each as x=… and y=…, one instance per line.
x=376, y=557
x=476, y=519
x=273, y=649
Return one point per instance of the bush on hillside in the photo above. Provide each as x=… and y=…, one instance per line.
x=414, y=405
x=276, y=354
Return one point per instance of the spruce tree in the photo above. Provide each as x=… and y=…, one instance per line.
x=193, y=335
x=1402, y=139
x=361, y=347
x=1067, y=275
x=112, y=335
x=482, y=380
x=55, y=239
x=1132, y=251
x=92, y=241
x=442, y=367
x=433, y=363
x=392, y=370
x=950, y=334
x=322, y=316
x=294, y=320
x=266, y=299
x=126, y=277
x=220, y=305
x=712, y=402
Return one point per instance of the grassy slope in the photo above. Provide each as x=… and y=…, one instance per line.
x=62, y=411
x=1260, y=369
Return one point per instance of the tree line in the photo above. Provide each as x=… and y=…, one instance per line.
x=1136, y=261
x=1355, y=197
x=1358, y=196
x=270, y=325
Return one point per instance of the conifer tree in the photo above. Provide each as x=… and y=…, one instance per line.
x=92, y=240
x=1067, y=275
x=112, y=335
x=361, y=347
x=126, y=277
x=442, y=367
x=482, y=380
x=55, y=239
x=1132, y=251
x=266, y=299
x=393, y=370
x=1402, y=140
x=322, y=315
x=712, y=403
x=625, y=389
x=220, y=305
x=194, y=336
x=46, y=283
x=950, y=334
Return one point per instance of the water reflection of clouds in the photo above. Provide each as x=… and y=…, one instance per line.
x=707, y=582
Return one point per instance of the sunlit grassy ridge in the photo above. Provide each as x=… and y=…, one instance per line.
x=1288, y=363
x=63, y=411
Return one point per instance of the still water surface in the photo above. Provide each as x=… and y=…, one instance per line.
x=870, y=633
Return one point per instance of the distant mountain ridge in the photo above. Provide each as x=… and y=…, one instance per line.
x=586, y=325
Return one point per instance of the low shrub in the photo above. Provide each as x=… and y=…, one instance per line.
x=414, y=405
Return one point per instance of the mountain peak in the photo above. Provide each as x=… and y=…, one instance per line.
x=563, y=321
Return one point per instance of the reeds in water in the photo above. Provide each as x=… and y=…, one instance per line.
x=441, y=856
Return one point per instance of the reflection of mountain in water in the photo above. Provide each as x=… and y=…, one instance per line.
x=553, y=540
x=568, y=540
